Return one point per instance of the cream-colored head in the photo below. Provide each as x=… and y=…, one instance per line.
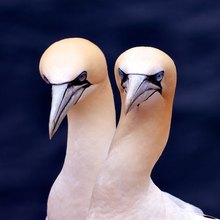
x=71, y=66
x=64, y=60
x=142, y=73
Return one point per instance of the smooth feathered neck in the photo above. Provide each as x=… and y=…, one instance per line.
x=124, y=185
x=91, y=125
x=124, y=189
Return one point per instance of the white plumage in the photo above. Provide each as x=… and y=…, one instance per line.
x=146, y=78
x=77, y=71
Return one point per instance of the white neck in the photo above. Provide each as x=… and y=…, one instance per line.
x=124, y=189
x=124, y=184
x=91, y=125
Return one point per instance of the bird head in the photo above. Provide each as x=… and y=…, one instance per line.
x=142, y=74
x=72, y=66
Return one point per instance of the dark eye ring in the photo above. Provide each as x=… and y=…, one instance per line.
x=159, y=76
x=122, y=75
x=82, y=77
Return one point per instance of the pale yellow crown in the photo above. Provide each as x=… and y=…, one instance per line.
x=64, y=60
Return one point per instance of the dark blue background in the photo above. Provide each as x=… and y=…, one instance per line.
x=189, y=31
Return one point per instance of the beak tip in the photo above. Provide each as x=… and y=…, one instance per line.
x=50, y=136
x=51, y=130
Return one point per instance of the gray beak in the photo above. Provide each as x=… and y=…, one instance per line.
x=138, y=89
x=63, y=97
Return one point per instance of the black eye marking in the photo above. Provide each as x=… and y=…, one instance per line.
x=82, y=77
x=159, y=76
x=123, y=77
x=45, y=79
x=156, y=78
x=80, y=80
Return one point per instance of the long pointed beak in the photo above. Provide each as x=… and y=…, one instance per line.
x=63, y=97
x=138, y=90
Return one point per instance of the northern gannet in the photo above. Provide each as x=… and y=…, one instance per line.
x=77, y=71
x=146, y=78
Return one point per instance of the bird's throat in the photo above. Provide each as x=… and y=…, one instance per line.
x=89, y=137
x=137, y=145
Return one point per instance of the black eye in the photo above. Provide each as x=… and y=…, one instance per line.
x=159, y=76
x=82, y=77
x=79, y=80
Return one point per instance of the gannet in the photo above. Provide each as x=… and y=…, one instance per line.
x=146, y=79
x=77, y=70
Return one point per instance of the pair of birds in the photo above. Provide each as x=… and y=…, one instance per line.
x=107, y=171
